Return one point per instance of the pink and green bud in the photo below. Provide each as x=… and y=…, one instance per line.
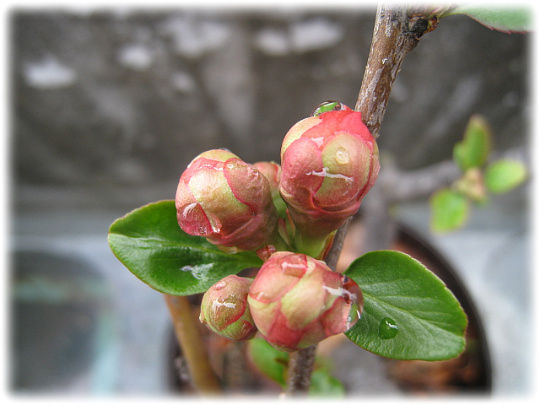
x=297, y=301
x=226, y=200
x=272, y=172
x=224, y=309
x=329, y=162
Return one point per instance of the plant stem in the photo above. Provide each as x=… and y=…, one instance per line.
x=395, y=34
x=299, y=372
x=189, y=338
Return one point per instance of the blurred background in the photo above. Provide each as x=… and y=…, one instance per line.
x=108, y=106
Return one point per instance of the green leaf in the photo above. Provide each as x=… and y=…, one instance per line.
x=271, y=362
x=150, y=243
x=409, y=314
x=504, y=175
x=505, y=19
x=449, y=210
x=323, y=384
x=474, y=150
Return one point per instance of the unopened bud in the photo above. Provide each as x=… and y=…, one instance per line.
x=297, y=301
x=224, y=309
x=272, y=172
x=329, y=162
x=226, y=200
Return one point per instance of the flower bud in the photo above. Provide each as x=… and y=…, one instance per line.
x=272, y=172
x=226, y=200
x=297, y=301
x=328, y=163
x=224, y=309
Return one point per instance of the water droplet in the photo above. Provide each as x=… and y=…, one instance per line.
x=220, y=285
x=216, y=227
x=203, y=230
x=388, y=329
x=342, y=156
x=324, y=173
x=352, y=292
x=188, y=209
x=253, y=172
x=228, y=249
x=199, y=272
x=328, y=106
x=216, y=304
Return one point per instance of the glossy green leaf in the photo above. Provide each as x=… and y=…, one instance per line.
x=408, y=311
x=269, y=361
x=150, y=243
x=505, y=19
x=449, y=210
x=474, y=150
x=504, y=175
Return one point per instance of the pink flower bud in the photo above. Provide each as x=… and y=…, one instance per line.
x=329, y=162
x=297, y=301
x=224, y=309
x=272, y=172
x=226, y=200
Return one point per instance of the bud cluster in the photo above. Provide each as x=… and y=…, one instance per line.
x=329, y=161
x=294, y=302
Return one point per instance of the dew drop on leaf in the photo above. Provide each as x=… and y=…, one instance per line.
x=388, y=329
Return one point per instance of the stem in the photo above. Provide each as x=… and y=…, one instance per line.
x=187, y=332
x=299, y=373
x=395, y=34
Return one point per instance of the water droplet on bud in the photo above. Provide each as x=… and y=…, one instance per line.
x=342, y=156
x=220, y=285
x=328, y=106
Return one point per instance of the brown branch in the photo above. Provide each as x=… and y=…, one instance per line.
x=186, y=327
x=299, y=372
x=395, y=34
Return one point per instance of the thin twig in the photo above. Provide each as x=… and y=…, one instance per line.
x=189, y=338
x=299, y=372
x=394, y=36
